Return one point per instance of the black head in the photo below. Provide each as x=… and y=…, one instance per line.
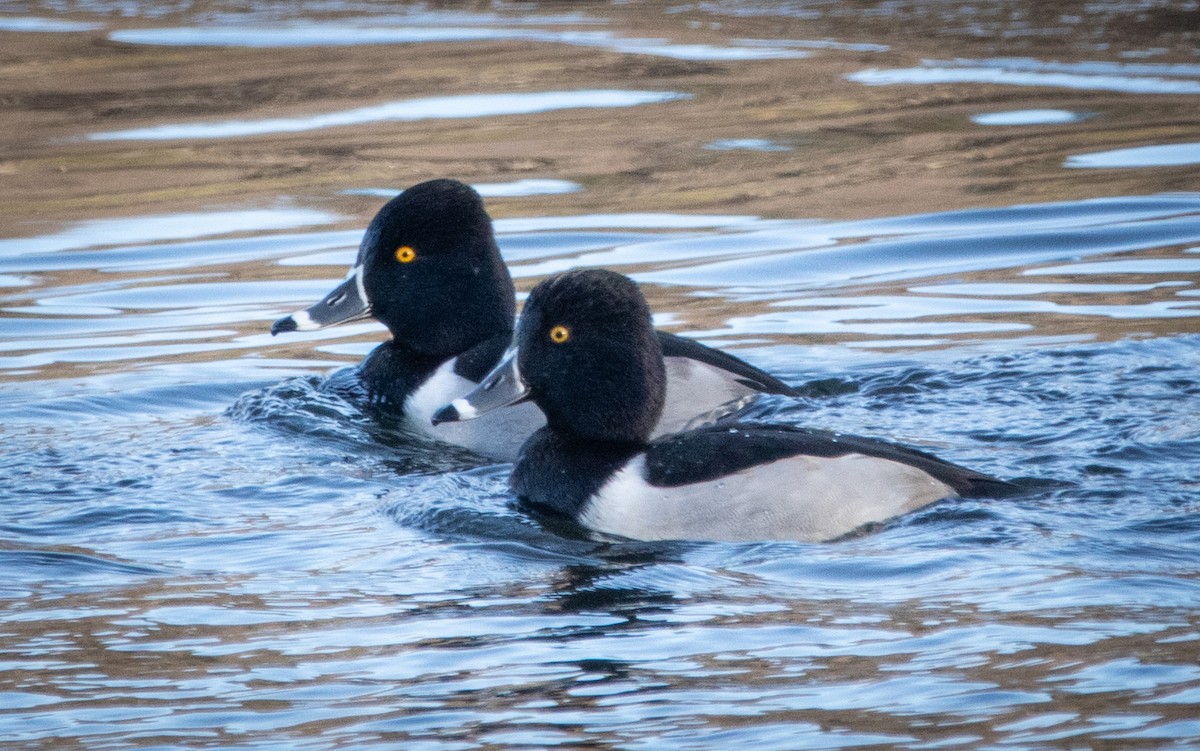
x=588, y=353
x=432, y=271
x=429, y=269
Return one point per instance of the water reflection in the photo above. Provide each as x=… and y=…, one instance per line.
x=377, y=31
x=817, y=255
x=921, y=280
x=33, y=24
x=445, y=107
x=102, y=232
x=1030, y=117
x=746, y=144
x=514, y=189
x=1131, y=78
x=1181, y=266
x=201, y=546
x=1166, y=155
x=195, y=528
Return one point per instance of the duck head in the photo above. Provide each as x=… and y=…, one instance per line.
x=429, y=269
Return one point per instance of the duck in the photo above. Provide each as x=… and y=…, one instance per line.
x=585, y=352
x=430, y=270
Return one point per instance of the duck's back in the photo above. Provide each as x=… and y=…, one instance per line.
x=703, y=382
x=742, y=482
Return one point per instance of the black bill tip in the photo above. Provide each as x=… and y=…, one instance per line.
x=449, y=413
x=283, y=325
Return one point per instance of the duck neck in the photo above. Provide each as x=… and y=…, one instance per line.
x=392, y=372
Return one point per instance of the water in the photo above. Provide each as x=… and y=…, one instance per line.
x=200, y=546
x=45, y=25
x=407, y=110
x=1132, y=78
x=748, y=144
x=416, y=28
x=1030, y=117
x=514, y=189
x=1164, y=155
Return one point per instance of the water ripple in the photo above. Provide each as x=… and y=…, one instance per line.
x=209, y=536
x=446, y=107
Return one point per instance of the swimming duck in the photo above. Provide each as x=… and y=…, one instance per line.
x=430, y=270
x=586, y=353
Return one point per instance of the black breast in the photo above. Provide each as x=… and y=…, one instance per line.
x=559, y=475
x=391, y=373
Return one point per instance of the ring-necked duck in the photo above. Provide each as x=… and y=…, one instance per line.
x=429, y=269
x=586, y=354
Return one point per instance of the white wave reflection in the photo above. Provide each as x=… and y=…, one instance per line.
x=408, y=110
x=356, y=33
x=646, y=220
x=513, y=189
x=308, y=35
x=1133, y=78
x=745, y=144
x=145, y=229
x=816, y=44
x=7, y=280
x=28, y=23
x=1163, y=155
x=1030, y=117
x=1125, y=266
x=922, y=316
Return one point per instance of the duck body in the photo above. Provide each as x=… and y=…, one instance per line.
x=736, y=482
x=405, y=384
x=596, y=461
x=429, y=269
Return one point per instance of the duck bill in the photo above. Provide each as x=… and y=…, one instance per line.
x=502, y=387
x=347, y=302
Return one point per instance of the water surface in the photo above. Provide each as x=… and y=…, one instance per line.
x=369, y=32
x=1129, y=78
x=745, y=144
x=516, y=188
x=27, y=23
x=1030, y=117
x=1163, y=155
x=203, y=544
x=407, y=110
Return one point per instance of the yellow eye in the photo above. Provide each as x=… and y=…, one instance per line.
x=405, y=254
x=560, y=334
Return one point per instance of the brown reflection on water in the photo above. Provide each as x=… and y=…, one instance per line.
x=854, y=150
x=593, y=661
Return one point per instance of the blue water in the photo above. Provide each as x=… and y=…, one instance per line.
x=200, y=546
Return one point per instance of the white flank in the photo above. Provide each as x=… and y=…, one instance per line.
x=802, y=498
x=442, y=388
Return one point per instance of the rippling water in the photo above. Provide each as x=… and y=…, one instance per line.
x=203, y=546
